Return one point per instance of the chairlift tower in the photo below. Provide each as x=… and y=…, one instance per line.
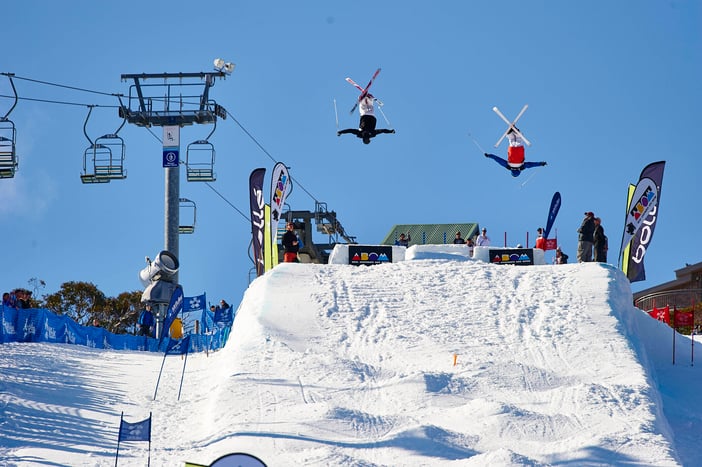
x=165, y=101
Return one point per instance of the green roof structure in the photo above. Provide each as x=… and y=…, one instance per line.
x=431, y=234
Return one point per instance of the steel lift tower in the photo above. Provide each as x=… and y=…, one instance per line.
x=166, y=101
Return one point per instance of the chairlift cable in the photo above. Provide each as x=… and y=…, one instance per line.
x=64, y=86
x=49, y=101
x=268, y=154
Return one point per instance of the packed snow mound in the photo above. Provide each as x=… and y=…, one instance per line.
x=420, y=362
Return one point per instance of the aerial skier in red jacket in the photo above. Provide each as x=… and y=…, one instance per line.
x=515, y=162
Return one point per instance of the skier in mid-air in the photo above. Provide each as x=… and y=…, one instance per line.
x=515, y=162
x=366, y=127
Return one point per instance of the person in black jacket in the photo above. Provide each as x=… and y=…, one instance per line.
x=599, y=242
x=291, y=244
x=585, y=239
x=366, y=126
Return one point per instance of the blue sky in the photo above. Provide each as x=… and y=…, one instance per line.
x=611, y=87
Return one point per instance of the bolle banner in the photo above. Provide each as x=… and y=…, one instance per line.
x=281, y=187
x=642, y=213
x=257, y=217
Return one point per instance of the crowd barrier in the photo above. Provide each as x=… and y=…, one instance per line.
x=41, y=325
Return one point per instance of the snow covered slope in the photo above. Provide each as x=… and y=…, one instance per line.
x=344, y=365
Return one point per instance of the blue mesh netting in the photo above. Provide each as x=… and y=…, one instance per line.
x=206, y=331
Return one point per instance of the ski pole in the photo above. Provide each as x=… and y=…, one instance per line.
x=386, y=118
x=528, y=179
x=336, y=115
x=477, y=144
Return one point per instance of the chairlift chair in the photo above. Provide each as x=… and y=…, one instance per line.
x=90, y=174
x=8, y=139
x=8, y=156
x=109, y=157
x=189, y=207
x=199, y=161
x=103, y=160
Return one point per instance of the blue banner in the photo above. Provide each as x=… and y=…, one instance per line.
x=41, y=325
x=174, y=307
x=139, y=431
x=196, y=303
x=178, y=346
x=552, y=213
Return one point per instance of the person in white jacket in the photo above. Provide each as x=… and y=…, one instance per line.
x=366, y=127
x=483, y=239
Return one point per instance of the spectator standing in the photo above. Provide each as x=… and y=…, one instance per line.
x=483, y=239
x=561, y=258
x=540, y=240
x=458, y=240
x=403, y=240
x=7, y=301
x=22, y=297
x=599, y=242
x=585, y=238
x=471, y=246
x=146, y=321
x=291, y=244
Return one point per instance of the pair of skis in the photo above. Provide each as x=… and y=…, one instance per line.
x=511, y=125
x=364, y=91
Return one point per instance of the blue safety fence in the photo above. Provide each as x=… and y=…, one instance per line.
x=206, y=331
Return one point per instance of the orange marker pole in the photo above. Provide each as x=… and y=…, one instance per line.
x=455, y=357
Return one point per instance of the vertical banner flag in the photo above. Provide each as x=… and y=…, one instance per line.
x=627, y=248
x=281, y=187
x=552, y=213
x=257, y=219
x=642, y=215
x=174, y=307
x=270, y=245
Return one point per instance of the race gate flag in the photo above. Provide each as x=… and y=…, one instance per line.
x=641, y=218
x=138, y=431
x=196, y=303
x=178, y=346
x=257, y=217
x=660, y=314
x=683, y=319
x=552, y=213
